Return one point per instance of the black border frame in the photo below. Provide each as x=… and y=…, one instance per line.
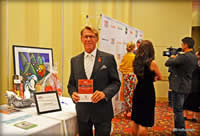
x=28, y=47
x=37, y=106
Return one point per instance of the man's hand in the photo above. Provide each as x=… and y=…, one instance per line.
x=97, y=96
x=75, y=97
x=156, y=78
x=173, y=56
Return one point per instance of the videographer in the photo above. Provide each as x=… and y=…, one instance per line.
x=180, y=79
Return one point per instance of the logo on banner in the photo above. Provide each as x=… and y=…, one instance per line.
x=136, y=34
x=103, y=39
x=131, y=32
x=112, y=41
x=113, y=26
x=119, y=43
x=126, y=30
x=119, y=28
x=106, y=23
x=124, y=43
x=140, y=35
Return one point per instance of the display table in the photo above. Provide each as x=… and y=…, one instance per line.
x=67, y=116
x=66, y=119
x=8, y=122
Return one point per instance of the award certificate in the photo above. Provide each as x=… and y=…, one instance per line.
x=47, y=102
x=85, y=90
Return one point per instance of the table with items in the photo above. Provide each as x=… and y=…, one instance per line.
x=26, y=121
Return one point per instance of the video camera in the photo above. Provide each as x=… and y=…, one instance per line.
x=171, y=51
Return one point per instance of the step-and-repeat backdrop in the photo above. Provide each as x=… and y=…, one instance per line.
x=114, y=36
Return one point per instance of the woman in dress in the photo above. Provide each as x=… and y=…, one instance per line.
x=192, y=103
x=147, y=72
x=128, y=78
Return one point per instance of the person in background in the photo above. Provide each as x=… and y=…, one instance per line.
x=192, y=103
x=182, y=66
x=147, y=71
x=138, y=43
x=128, y=81
x=93, y=64
x=198, y=58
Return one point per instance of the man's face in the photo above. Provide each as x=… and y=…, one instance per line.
x=184, y=46
x=89, y=40
x=198, y=56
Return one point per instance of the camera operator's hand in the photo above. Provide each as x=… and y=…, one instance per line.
x=156, y=78
x=173, y=56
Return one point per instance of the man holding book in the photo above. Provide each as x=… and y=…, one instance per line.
x=93, y=82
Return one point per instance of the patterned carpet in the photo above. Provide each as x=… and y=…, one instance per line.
x=164, y=122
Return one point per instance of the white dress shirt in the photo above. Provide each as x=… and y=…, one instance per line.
x=89, y=59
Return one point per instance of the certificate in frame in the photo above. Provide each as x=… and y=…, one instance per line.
x=47, y=102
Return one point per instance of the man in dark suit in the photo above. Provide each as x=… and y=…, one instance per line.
x=180, y=79
x=102, y=69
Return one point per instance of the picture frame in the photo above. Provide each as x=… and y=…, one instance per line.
x=32, y=61
x=47, y=102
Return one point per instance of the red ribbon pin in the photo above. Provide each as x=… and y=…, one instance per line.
x=99, y=59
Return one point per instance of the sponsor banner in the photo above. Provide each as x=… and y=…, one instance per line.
x=114, y=36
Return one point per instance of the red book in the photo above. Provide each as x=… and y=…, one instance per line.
x=85, y=86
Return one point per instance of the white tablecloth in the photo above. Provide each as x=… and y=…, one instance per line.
x=45, y=126
x=67, y=116
x=66, y=120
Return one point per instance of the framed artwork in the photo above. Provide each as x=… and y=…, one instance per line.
x=32, y=61
x=47, y=102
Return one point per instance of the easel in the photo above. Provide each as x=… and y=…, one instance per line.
x=97, y=24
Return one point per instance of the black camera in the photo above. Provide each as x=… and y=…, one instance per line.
x=171, y=51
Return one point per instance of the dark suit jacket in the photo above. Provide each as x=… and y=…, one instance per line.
x=182, y=67
x=105, y=78
x=196, y=81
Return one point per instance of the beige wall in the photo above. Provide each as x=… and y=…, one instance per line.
x=196, y=37
x=39, y=23
x=165, y=24
x=3, y=62
x=195, y=13
x=30, y=23
x=196, y=23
